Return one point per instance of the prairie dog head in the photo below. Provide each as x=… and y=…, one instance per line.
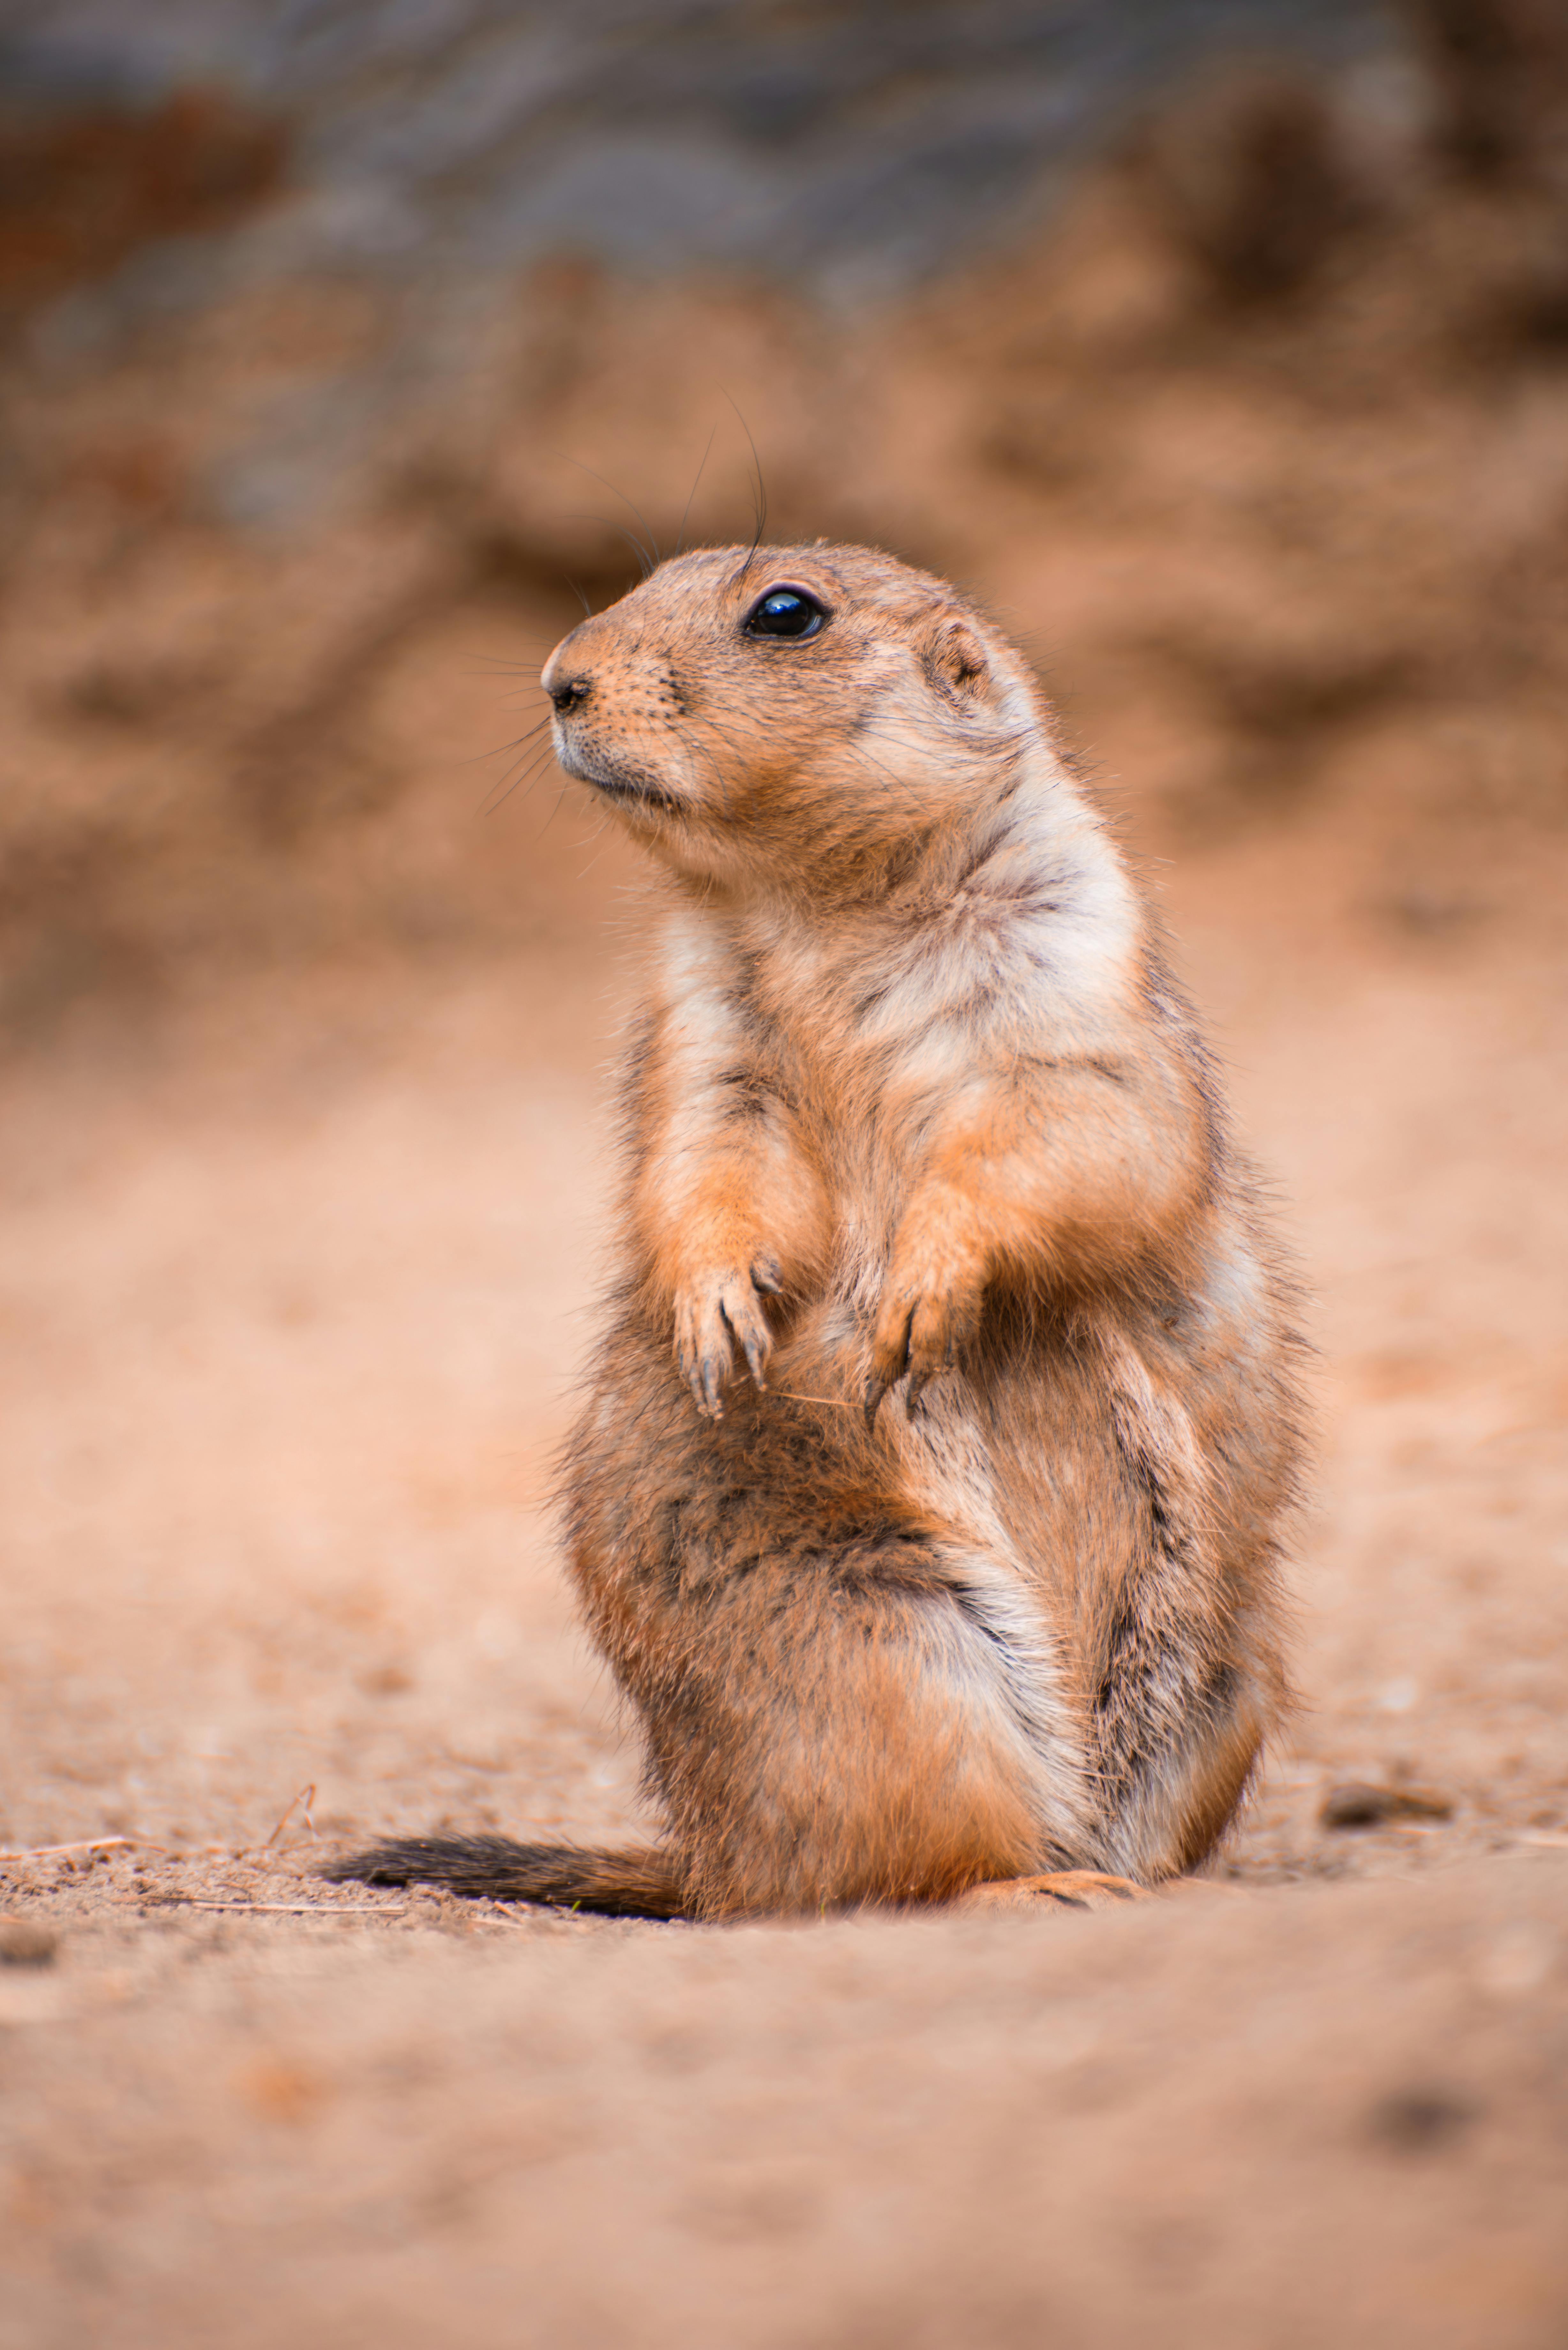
x=785, y=714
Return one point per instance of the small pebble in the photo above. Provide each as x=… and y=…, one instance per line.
x=1414, y=2120
x=24, y=1944
x=1358, y=1804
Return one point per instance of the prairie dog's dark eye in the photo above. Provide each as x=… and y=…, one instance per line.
x=786, y=612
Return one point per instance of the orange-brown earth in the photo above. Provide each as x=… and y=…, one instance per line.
x=306, y=1169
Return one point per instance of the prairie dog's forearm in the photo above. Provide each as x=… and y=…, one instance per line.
x=720, y=1179
x=708, y=1198
x=1074, y=1173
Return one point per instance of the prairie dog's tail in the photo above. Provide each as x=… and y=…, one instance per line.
x=636, y=1884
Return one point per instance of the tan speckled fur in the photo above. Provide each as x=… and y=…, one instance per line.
x=981, y=1584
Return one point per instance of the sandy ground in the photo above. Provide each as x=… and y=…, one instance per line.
x=294, y=1283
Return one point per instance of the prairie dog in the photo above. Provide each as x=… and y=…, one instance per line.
x=926, y=1501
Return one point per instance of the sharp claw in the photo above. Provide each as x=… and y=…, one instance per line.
x=767, y=1275
x=874, y=1395
x=755, y=1343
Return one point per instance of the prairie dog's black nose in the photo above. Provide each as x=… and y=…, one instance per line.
x=566, y=692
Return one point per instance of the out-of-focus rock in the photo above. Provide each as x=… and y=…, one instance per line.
x=1258, y=181
x=1364, y=1804
x=24, y=1942
x=1500, y=72
x=82, y=190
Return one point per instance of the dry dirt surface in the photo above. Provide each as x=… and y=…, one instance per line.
x=305, y=1179
x=294, y=1283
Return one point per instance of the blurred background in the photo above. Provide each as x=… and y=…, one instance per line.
x=1221, y=344
x=1220, y=348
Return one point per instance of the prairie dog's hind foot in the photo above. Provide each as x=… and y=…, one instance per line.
x=1067, y=1888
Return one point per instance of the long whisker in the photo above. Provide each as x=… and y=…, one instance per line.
x=556, y=811
x=644, y=563
x=760, y=502
x=686, y=510
x=652, y=548
x=521, y=743
x=528, y=772
x=493, y=665
x=527, y=766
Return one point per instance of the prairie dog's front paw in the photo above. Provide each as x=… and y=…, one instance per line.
x=929, y=1308
x=710, y=1313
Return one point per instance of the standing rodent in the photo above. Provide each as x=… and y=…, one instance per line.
x=911, y=1102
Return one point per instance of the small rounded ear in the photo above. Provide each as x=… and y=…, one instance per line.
x=957, y=665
